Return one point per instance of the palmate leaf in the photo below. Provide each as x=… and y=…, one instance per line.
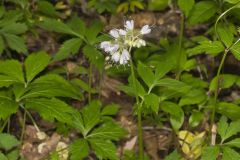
x=35, y=63
x=51, y=109
x=230, y=154
x=13, y=69
x=110, y=131
x=51, y=85
x=210, y=153
x=79, y=149
x=104, y=149
x=94, y=56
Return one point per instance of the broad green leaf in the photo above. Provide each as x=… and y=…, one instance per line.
x=93, y=30
x=194, y=96
x=208, y=47
x=176, y=114
x=110, y=110
x=186, y=6
x=16, y=43
x=230, y=154
x=15, y=28
x=157, y=5
x=104, y=149
x=225, y=35
x=51, y=109
x=8, y=141
x=13, y=155
x=210, y=153
x=231, y=1
x=230, y=110
x=222, y=126
x=91, y=115
x=195, y=118
x=236, y=51
x=57, y=26
x=2, y=11
x=108, y=131
x=173, y=156
x=152, y=100
x=146, y=74
x=202, y=11
x=162, y=69
x=3, y=157
x=77, y=25
x=79, y=149
x=78, y=123
x=2, y=45
x=13, y=69
x=51, y=85
x=47, y=8
x=233, y=129
x=225, y=81
x=83, y=85
x=67, y=48
x=95, y=57
x=35, y=63
x=174, y=85
x=6, y=81
x=7, y=105
x=233, y=143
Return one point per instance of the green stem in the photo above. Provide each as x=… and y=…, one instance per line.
x=23, y=126
x=139, y=113
x=4, y=125
x=90, y=82
x=180, y=47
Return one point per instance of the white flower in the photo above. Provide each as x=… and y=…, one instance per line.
x=122, y=32
x=141, y=43
x=125, y=57
x=129, y=25
x=145, y=30
x=105, y=44
x=114, y=33
x=116, y=56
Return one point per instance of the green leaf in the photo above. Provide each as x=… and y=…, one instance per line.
x=230, y=110
x=157, y=5
x=91, y=115
x=230, y=154
x=2, y=45
x=233, y=129
x=194, y=96
x=146, y=74
x=15, y=28
x=195, y=118
x=210, y=153
x=95, y=57
x=93, y=30
x=57, y=26
x=51, y=85
x=233, y=143
x=35, y=63
x=46, y=8
x=50, y=109
x=77, y=25
x=16, y=43
x=208, y=47
x=6, y=81
x=110, y=110
x=83, y=85
x=186, y=6
x=7, y=105
x=236, y=51
x=8, y=141
x=79, y=149
x=176, y=114
x=67, y=48
x=162, y=69
x=222, y=126
x=13, y=155
x=202, y=11
x=108, y=131
x=173, y=156
x=152, y=100
x=225, y=34
x=225, y=81
x=174, y=85
x=13, y=69
x=104, y=149
x=3, y=157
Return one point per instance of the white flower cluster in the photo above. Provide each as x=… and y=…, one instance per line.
x=123, y=40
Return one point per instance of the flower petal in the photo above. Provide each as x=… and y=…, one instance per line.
x=145, y=29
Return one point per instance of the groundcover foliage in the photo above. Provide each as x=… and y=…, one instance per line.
x=55, y=57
